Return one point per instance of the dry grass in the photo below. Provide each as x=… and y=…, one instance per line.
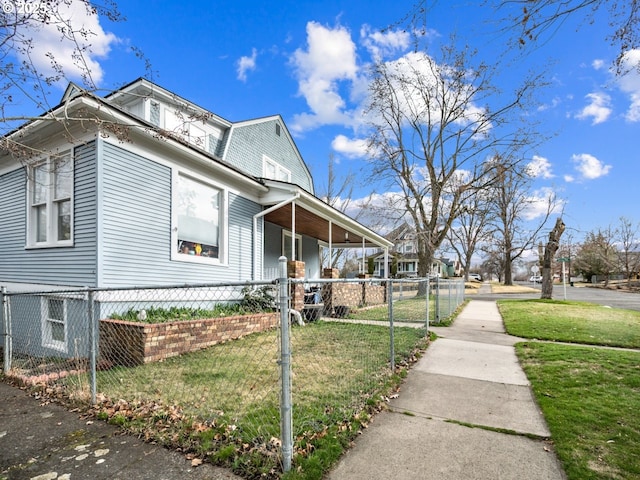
x=499, y=288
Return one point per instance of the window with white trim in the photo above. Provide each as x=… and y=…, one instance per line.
x=50, y=211
x=199, y=218
x=287, y=238
x=54, y=323
x=274, y=171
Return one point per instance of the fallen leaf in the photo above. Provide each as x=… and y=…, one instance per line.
x=196, y=462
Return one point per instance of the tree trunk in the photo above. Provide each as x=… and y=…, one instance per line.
x=508, y=274
x=549, y=253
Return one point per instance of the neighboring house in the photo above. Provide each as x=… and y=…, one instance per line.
x=151, y=190
x=403, y=257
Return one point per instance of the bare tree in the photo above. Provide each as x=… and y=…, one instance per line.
x=511, y=200
x=598, y=255
x=31, y=73
x=535, y=21
x=338, y=193
x=470, y=229
x=434, y=123
x=629, y=242
x=550, y=250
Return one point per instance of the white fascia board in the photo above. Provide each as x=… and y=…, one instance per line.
x=147, y=88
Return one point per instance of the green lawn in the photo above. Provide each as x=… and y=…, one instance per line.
x=590, y=396
x=410, y=309
x=223, y=402
x=575, y=322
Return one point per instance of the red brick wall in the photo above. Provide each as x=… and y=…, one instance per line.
x=131, y=343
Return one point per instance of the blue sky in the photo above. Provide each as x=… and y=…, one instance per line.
x=306, y=61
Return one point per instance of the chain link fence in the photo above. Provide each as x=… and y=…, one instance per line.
x=212, y=369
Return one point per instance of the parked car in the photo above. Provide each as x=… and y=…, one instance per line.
x=475, y=276
x=535, y=279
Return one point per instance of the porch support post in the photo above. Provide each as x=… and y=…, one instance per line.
x=386, y=262
x=330, y=244
x=363, y=250
x=293, y=231
x=255, y=233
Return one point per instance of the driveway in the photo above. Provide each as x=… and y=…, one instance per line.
x=611, y=298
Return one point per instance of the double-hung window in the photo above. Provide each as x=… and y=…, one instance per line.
x=51, y=202
x=273, y=170
x=54, y=323
x=199, y=220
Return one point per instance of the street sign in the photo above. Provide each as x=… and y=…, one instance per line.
x=563, y=259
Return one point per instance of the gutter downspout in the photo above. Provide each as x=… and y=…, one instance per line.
x=255, y=230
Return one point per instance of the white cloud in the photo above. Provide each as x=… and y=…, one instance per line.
x=540, y=167
x=589, y=166
x=246, y=64
x=597, y=64
x=382, y=44
x=431, y=75
x=50, y=43
x=538, y=204
x=569, y=178
x=599, y=109
x=330, y=57
x=629, y=83
x=352, y=148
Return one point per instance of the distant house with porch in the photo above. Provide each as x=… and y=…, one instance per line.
x=403, y=257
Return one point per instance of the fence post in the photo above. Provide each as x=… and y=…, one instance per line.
x=437, y=315
x=93, y=345
x=392, y=349
x=427, y=289
x=286, y=421
x=6, y=321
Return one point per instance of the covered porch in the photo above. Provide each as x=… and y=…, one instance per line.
x=301, y=215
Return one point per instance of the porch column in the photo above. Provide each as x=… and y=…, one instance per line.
x=330, y=244
x=295, y=269
x=293, y=233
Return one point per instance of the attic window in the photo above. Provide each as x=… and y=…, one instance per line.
x=274, y=171
x=277, y=129
x=154, y=113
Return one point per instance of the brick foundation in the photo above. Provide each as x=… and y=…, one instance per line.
x=131, y=343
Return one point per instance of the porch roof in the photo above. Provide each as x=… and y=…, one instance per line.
x=316, y=218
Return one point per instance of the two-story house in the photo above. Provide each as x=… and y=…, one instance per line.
x=402, y=259
x=143, y=187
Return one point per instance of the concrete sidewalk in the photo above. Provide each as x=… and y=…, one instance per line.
x=470, y=376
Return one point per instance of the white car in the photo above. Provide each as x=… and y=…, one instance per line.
x=535, y=279
x=475, y=276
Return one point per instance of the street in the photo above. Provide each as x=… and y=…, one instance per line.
x=611, y=298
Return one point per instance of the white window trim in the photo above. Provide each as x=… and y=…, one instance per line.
x=223, y=222
x=51, y=241
x=279, y=168
x=47, y=338
x=285, y=234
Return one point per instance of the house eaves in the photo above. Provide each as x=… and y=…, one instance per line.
x=317, y=218
x=145, y=88
x=94, y=111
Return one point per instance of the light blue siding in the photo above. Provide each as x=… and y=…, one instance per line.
x=273, y=250
x=136, y=228
x=249, y=142
x=27, y=332
x=73, y=265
